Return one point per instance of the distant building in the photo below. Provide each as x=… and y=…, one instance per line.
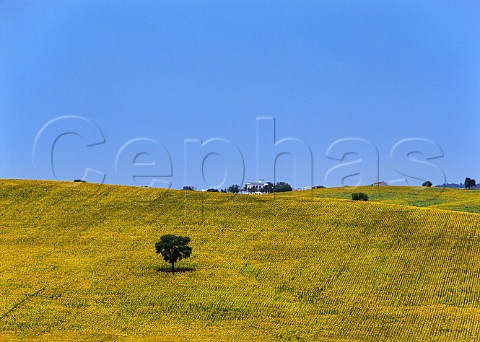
x=379, y=184
x=256, y=187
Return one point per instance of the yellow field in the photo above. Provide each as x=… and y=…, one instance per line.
x=442, y=198
x=78, y=262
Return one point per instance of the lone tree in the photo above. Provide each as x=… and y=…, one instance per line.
x=469, y=183
x=427, y=184
x=173, y=248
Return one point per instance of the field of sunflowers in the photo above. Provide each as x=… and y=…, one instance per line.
x=78, y=262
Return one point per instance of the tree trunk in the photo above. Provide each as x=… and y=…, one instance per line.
x=173, y=269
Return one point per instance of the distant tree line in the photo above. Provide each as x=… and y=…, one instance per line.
x=270, y=187
x=235, y=188
x=467, y=184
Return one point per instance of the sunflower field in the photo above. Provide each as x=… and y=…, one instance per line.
x=78, y=262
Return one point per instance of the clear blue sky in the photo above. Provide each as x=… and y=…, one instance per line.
x=167, y=71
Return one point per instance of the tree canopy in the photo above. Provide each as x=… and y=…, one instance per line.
x=282, y=187
x=173, y=248
x=469, y=183
x=359, y=196
x=235, y=189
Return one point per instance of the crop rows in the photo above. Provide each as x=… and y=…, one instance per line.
x=286, y=268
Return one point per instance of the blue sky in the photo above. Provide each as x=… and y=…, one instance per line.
x=157, y=77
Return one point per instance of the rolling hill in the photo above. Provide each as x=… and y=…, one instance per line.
x=78, y=262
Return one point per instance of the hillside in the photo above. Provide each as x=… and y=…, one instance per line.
x=78, y=262
x=440, y=198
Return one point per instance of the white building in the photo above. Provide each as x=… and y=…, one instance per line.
x=379, y=184
x=256, y=187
